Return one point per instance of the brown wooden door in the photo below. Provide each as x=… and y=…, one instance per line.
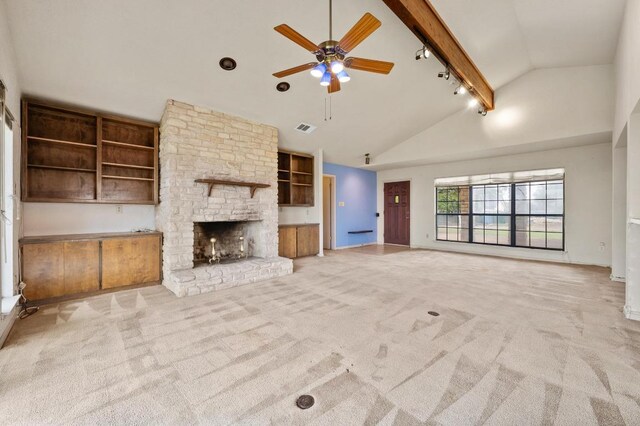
x=397, y=207
x=128, y=261
x=308, y=240
x=287, y=245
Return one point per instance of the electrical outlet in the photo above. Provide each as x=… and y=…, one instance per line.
x=427, y=236
x=602, y=246
x=119, y=208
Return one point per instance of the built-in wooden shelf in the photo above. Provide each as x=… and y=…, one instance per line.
x=252, y=185
x=295, y=179
x=73, y=155
x=71, y=169
x=84, y=145
x=128, y=145
x=127, y=178
x=128, y=166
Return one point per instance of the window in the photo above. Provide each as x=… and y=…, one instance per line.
x=516, y=214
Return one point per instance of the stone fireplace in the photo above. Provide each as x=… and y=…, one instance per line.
x=198, y=143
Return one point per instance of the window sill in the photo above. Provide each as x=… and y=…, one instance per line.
x=8, y=303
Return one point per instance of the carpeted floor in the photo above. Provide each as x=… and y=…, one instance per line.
x=516, y=342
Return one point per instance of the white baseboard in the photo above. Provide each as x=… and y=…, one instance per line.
x=617, y=279
x=6, y=323
x=631, y=314
x=357, y=245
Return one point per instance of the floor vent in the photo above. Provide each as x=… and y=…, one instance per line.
x=305, y=128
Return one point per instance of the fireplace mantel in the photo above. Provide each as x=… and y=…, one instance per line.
x=253, y=185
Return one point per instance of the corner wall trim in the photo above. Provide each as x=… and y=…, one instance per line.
x=617, y=279
x=631, y=314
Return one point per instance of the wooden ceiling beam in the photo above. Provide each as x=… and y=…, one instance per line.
x=423, y=20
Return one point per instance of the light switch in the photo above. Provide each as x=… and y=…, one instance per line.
x=341, y=204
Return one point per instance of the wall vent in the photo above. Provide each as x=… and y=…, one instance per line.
x=305, y=128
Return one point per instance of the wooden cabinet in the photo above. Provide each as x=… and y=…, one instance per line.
x=127, y=261
x=65, y=265
x=295, y=179
x=299, y=240
x=59, y=268
x=74, y=155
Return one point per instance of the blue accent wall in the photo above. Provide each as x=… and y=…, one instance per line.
x=357, y=189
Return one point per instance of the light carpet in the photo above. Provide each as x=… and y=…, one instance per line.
x=516, y=342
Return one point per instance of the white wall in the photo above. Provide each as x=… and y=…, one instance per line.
x=67, y=218
x=627, y=67
x=543, y=109
x=587, y=197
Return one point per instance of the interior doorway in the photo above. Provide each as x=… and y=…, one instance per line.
x=329, y=212
x=397, y=213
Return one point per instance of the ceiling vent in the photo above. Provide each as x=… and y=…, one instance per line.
x=305, y=128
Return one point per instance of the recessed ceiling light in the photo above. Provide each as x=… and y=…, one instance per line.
x=283, y=86
x=228, y=64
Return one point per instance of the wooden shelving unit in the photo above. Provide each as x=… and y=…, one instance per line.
x=74, y=155
x=295, y=179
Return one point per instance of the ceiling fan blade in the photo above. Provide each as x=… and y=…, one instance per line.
x=334, y=86
x=361, y=30
x=296, y=37
x=295, y=70
x=370, y=65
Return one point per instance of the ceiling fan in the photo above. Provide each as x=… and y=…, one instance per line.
x=331, y=54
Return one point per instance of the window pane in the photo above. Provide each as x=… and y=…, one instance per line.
x=442, y=207
x=554, y=206
x=504, y=222
x=453, y=207
x=478, y=193
x=555, y=191
x=538, y=191
x=522, y=223
x=491, y=207
x=463, y=235
x=522, y=207
x=504, y=237
x=490, y=222
x=478, y=222
x=452, y=221
x=537, y=224
x=491, y=236
x=504, y=192
x=442, y=233
x=522, y=191
x=491, y=192
x=464, y=199
x=441, y=221
x=464, y=221
x=452, y=234
x=538, y=207
x=504, y=207
x=538, y=239
x=442, y=194
x=522, y=239
x=453, y=194
x=554, y=240
x=554, y=224
x=478, y=207
x=478, y=236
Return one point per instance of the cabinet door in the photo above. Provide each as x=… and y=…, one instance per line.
x=43, y=270
x=61, y=268
x=287, y=242
x=128, y=261
x=308, y=240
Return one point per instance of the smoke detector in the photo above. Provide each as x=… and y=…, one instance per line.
x=305, y=128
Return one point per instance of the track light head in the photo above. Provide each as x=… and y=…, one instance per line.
x=460, y=90
x=423, y=53
x=473, y=102
x=482, y=111
x=446, y=74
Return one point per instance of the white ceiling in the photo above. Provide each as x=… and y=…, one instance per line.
x=129, y=57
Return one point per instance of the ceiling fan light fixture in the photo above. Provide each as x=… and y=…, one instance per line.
x=326, y=79
x=343, y=77
x=337, y=67
x=319, y=70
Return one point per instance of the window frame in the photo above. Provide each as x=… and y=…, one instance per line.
x=512, y=215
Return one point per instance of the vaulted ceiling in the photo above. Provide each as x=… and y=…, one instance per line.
x=129, y=57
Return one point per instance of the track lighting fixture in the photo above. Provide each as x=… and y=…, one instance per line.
x=460, y=90
x=423, y=53
x=446, y=74
x=473, y=102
